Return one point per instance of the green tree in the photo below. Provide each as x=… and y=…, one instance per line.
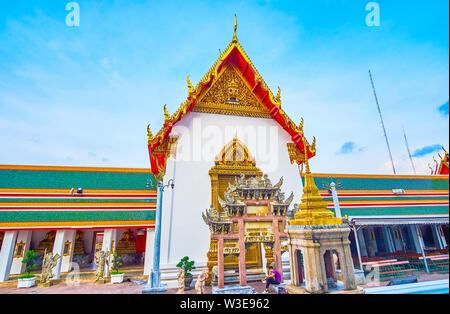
x=115, y=265
x=28, y=260
x=186, y=265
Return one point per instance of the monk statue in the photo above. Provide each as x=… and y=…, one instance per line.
x=180, y=281
x=48, y=263
x=199, y=285
x=101, y=260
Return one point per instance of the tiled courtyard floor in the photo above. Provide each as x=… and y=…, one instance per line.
x=86, y=287
x=91, y=288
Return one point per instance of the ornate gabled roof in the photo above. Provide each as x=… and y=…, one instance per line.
x=235, y=58
x=443, y=165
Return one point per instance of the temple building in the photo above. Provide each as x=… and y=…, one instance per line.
x=230, y=124
x=74, y=211
x=221, y=147
x=392, y=216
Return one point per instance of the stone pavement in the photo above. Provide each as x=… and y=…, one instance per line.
x=91, y=288
x=128, y=287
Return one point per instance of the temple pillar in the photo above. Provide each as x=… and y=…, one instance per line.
x=277, y=248
x=362, y=242
x=69, y=246
x=387, y=238
x=23, y=240
x=6, y=254
x=58, y=248
x=149, y=244
x=348, y=273
x=109, y=236
x=293, y=265
x=372, y=246
x=397, y=238
x=438, y=237
x=220, y=263
x=242, y=266
x=414, y=238
x=314, y=267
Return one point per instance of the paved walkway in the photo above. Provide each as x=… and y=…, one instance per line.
x=91, y=288
x=128, y=287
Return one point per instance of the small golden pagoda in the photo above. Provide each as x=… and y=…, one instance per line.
x=315, y=234
x=313, y=209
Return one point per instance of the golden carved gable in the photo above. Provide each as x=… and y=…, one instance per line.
x=230, y=95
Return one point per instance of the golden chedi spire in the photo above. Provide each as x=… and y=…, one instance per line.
x=235, y=40
x=313, y=209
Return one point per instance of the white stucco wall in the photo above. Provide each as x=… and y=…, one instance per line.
x=201, y=138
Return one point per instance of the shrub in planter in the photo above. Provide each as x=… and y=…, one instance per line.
x=116, y=274
x=28, y=279
x=187, y=266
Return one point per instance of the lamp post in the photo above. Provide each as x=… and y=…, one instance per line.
x=154, y=281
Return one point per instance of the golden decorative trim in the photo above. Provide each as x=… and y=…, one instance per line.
x=232, y=96
x=66, y=248
x=295, y=155
x=20, y=248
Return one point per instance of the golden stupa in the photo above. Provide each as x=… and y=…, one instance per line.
x=313, y=209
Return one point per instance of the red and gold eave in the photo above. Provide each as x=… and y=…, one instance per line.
x=443, y=166
x=235, y=55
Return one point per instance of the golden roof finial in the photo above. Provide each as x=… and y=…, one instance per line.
x=278, y=98
x=443, y=148
x=313, y=146
x=166, y=114
x=300, y=126
x=235, y=29
x=149, y=134
x=190, y=87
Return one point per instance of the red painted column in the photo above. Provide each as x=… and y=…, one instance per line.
x=242, y=266
x=277, y=248
x=329, y=265
x=220, y=261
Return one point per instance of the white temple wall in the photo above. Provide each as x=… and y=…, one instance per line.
x=201, y=137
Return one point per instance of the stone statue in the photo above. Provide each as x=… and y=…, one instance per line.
x=180, y=281
x=290, y=199
x=215, y=275
x=267, y=182
x=101, y=260
x=48, y=263
x=199, y=285
x=279, y=184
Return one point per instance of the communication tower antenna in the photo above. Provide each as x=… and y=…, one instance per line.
x=382, y=122
x=409, y=152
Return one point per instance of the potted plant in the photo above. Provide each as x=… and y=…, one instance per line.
x=187, y=266
x=28, y=279
x=116, y=274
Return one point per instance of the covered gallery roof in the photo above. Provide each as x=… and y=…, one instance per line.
x=46, y=197
x=387, y=195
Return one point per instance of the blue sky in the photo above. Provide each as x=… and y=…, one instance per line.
x=83, y=95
